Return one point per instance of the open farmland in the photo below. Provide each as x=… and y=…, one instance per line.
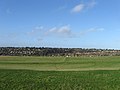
x=60, y=63
x=53, y=80
x=59, y=73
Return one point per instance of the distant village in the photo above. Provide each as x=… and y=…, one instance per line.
x=46, y=51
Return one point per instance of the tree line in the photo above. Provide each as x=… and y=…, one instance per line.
x=46, y=51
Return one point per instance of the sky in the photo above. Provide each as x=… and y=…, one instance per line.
x=60, y=23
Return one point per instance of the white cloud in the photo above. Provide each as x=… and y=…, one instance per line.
x=64, y=30
x=96, y=29
x=54, y=29
x=83, y=6
x=60, y=31
x=78, y=8
x=35, y=30
x=39, y=28
x=91, y=30
x=91, y=4
x=61, y=8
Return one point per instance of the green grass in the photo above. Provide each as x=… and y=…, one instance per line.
x=60, y=63
x=59, y=73
x=63, y=80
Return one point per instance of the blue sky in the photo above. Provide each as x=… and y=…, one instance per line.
x=60, y=23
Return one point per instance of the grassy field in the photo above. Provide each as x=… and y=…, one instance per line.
x=64, y=80
x=60, y=63
x=59, y=73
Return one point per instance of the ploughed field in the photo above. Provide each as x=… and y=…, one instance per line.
x=59, y=73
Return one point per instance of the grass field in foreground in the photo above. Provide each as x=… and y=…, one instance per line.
x=59, y=73
x=59, y=80
x=60, y=63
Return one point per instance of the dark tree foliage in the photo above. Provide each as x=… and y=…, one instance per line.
x=46, y=51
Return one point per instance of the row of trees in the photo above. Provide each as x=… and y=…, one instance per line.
x=42, y=51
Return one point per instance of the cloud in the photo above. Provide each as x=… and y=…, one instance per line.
x=63, y=31
x=38, y=27
x=78, y=8
x=60, y=31
x=61, y=8
x=91, y=4
x=95, y=29
x=91, y=30
x=83, y=6
x=36, y=30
